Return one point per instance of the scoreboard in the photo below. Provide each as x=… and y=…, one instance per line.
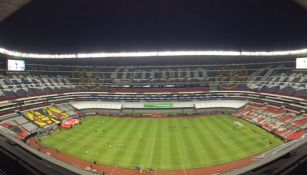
x=301, y=63
x=15, y=65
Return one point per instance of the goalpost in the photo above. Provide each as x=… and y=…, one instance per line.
x=237, y=124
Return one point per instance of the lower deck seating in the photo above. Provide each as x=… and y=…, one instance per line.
x=21, y=122
x=32, y=121
x=282, y=122
x=18, y=131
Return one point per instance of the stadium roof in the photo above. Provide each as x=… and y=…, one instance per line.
x=132, y=26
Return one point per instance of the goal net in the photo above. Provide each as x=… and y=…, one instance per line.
x=237, y=124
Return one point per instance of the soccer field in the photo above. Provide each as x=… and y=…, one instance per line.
x=162, y=144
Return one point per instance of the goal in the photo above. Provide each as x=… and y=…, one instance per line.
x=237, y=124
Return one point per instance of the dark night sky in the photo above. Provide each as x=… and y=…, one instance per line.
x=131, y=25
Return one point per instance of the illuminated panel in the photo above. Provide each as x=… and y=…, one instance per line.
x=301, y=63
x=154, y=54
x=158, y=105
x=15, y=65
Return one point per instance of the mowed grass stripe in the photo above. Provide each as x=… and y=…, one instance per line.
x=165, y=143
x=149, y=140
x=176, y=156
x=112, y=136
x=153, y=142
x=68, y=140
x=186, y=142
x=135, y=139
x=91, y=139
x=119, y=155
x=218, y=141
x=139, y=151
x=207, y=150
x=190, y=128
x=101, y=144
x=158, y=150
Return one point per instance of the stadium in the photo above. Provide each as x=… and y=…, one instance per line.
x=165, y=112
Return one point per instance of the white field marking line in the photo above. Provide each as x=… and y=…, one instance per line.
x=153, y=142
x=245, y=131
x=220, y=137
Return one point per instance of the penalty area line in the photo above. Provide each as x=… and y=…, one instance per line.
x=216, y=133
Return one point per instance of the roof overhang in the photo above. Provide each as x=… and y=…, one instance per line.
x=298, y=52
x=8, y=7
x=302, y=3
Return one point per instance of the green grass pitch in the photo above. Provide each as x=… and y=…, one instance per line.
x=162, y=144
